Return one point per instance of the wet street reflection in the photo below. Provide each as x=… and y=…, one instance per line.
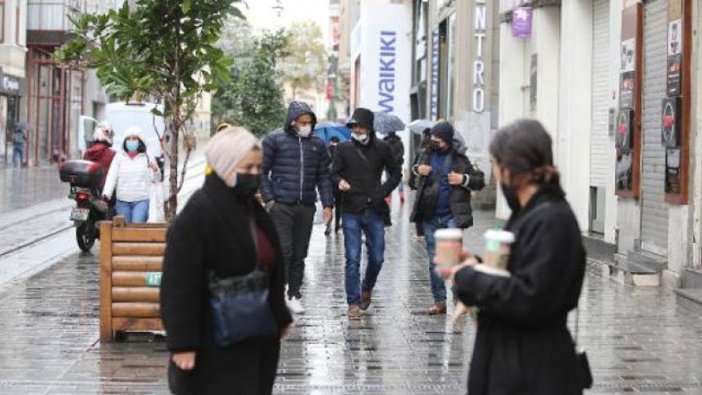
x=637, y=339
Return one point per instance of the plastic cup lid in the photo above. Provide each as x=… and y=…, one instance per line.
x=501, y=236
x=449, y=234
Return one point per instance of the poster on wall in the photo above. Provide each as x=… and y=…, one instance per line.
x=628, y=73
x=670, y=125
x=624, y=143
x=675, y=47
x=521, y=22
x=672, y=171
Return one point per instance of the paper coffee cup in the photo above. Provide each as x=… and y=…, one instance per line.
x=498, y=246
x=449, y=243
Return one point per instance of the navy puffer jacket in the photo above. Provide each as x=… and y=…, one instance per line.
x=295, y=167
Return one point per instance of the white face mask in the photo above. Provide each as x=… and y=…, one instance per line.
x=304, y=131
x=361, y=138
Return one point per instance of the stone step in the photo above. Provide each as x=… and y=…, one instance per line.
x=690, y=298
x=692, y=278
x=632, y=272
x=647, y=261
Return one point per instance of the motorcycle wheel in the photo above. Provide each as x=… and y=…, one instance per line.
x=85, y=236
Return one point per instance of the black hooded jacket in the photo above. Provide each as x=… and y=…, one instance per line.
x=362, y=167
x=295, y=167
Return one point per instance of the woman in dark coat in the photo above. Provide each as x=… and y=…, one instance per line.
x=523, y=345
x=214, y=233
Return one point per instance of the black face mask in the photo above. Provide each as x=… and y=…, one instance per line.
x=246, y=184
x=436, y=147
x=510, y=194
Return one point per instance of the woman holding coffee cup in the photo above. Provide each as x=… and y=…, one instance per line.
x=523, y=345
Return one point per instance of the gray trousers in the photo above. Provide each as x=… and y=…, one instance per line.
x=294, y=225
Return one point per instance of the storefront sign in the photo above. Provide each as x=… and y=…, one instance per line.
x=480, y=34
x=623, y=141
x=521, y=22
x=675, y=47
x=10, y=85
x=385, y=52
x=434, y=80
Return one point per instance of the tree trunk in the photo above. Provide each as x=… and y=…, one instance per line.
x=176, y=125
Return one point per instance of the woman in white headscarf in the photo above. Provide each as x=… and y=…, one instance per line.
x=223, y=231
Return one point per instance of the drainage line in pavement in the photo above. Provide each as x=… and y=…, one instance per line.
x=35, y=241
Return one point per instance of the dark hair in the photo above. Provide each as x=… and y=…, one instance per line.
x=334, y=139
x=141, y=149
x=525, y=149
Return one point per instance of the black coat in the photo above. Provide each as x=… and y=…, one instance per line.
x=460, y=195
x=367, y=191
x=213, y=233
x=523, y=345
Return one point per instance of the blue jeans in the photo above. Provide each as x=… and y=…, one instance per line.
x=133, y=212
x=17, y=156
x=438, y=288
x=373, y=226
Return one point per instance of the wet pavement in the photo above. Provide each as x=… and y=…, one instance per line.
x=638, y=340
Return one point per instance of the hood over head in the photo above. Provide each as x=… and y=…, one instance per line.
x=295, y=110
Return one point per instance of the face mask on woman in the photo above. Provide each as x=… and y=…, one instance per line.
x=246, y=184
x=132, y=145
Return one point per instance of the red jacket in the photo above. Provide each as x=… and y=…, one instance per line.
x=102, y=154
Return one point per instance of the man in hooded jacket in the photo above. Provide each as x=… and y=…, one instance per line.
x=357, y=170
x=295, y=167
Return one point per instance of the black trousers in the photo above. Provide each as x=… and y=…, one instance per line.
x=338, y=197
x=294, y=224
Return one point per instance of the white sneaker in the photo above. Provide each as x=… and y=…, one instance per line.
x=295, y=305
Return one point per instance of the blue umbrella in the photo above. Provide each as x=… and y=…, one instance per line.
x=327, y=130
x=385, y=123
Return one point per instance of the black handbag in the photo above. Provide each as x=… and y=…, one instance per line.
x=584, y=373
x=239, y=306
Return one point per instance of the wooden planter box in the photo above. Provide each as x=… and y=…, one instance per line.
x=131, y=259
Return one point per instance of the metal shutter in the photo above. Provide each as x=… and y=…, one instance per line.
x=654, y=215
x=601, y=146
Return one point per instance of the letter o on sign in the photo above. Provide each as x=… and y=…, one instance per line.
x=478, y=100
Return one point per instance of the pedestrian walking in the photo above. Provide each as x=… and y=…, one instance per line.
x=19, y=140
x=445, y=179
x=100, y=150
x=130, y=177
x=357, y=171
x=338, y=195
x=398, y=153
x=424, y=145
x=295, y=169
x=223, y=250
x=523, y=345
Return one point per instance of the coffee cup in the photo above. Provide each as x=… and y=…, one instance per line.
x=498, y=246
x=449, y=243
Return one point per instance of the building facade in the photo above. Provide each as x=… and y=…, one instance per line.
x=13, y=49
x=612, y=81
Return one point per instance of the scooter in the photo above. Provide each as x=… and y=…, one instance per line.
x=83, y=177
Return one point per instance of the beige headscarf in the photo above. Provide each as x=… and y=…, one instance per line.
x=226, y=149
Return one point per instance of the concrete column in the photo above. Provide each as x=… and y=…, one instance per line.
x=575, y=106
x=696, y=140
x=511, y=93
x=546, y=44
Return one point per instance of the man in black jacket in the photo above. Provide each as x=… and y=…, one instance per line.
x=295, y=167
x=445, y=179
x=357, y=170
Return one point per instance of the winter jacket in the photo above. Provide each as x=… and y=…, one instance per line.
x=103, y=155
x=459, y=199
x=523, y=345
x=295, y=168
x=398, y=149
x=363, y=173
x=130, y=178
x=212, y=233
